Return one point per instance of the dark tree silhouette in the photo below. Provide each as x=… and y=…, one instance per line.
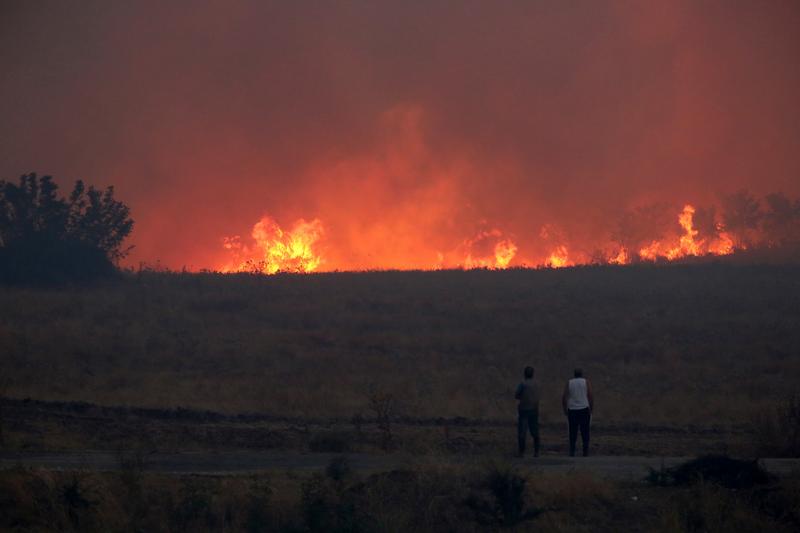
x=781, y=220
x=45, y=238
x=640, y=226
x=741, y=215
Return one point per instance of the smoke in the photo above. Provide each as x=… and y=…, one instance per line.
x=412, y=131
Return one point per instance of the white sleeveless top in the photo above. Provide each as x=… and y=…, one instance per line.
x=578, y=396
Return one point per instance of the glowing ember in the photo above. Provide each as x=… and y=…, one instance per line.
x=276, y=250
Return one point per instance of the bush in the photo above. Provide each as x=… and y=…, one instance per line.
x=498, y=498
x=330, y=442
x=777, y=430
x=46, y=239
x=718, y=469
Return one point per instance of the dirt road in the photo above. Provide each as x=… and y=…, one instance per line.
x=247, y=462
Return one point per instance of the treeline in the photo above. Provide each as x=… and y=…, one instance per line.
x=749, y=222
x=46, y=238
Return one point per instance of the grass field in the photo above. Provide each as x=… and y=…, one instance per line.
x=691, y=344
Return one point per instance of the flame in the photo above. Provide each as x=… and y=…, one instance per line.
x=501, y=256
x=297, y=249
x=620, y=259
x=688, y=244
x=558, y=258
x=276, y=250
x=504, y=252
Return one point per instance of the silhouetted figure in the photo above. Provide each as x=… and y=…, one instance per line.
x=577, y=403
x=528, y=412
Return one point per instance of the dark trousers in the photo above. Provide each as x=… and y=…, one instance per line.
x=579, y=418
x=528, y=420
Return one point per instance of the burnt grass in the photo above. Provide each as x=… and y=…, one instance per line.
x=682, y=357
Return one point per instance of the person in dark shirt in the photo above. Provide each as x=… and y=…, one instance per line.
x=528, y=412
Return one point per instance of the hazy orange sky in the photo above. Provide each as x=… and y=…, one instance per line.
x=405, y=127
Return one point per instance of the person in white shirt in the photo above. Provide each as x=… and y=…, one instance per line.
x=577, y=402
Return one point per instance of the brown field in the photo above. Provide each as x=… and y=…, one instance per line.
x=673, y=345
x=685, y=360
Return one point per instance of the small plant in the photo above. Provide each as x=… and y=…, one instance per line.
x=777, y=430
x=326, y=507
x=259, y=494
x=382, y=404
x=194, y=510
x=132, y=465
x=330, y=441
x=3, y=388
x=339, y=469
x=719, y=469
x=358, y=423
x=661, y=477
x=499, y=498
x=77, y=505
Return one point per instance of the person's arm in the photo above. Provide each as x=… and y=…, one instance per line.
x=589, y=395
x=564, y=397
x=519, y=392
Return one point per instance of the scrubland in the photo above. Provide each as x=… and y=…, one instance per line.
x=707, y=344
x=486, y=497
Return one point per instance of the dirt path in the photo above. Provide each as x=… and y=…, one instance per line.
x=246, y=462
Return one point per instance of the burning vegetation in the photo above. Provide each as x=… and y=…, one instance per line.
x=651, y=233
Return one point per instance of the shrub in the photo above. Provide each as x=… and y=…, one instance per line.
x=719, y=469
x=498, y=498
x=330, y=442
x=777, y=430
x=48, y=239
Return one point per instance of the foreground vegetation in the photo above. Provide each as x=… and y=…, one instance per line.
x=470, y=498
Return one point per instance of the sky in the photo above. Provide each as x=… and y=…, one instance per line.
x=416, y=132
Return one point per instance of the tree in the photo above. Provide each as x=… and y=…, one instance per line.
x=741, y=215
x=51, y=239
x=781, y=220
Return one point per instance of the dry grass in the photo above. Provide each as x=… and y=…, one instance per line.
x=704, y=344
x=426, y=499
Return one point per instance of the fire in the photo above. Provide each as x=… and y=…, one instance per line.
x=298, y=249
x=500, y=256
x=620, y=259
x=688, y=244
x=504, y=252
x=558, y=258
x=276, y=250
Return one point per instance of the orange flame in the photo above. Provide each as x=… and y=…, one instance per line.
x=296, y=250
x=503, y=252
x=276, y=250
x=558, y=258
x=688, y=245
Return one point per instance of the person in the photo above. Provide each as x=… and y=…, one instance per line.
x=528, y=412
x=578, y=403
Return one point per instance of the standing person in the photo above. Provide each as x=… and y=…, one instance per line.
x=577, y=403
x=528, y=412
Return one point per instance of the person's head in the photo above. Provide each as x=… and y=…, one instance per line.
x=578, y=373
x=528, y=372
